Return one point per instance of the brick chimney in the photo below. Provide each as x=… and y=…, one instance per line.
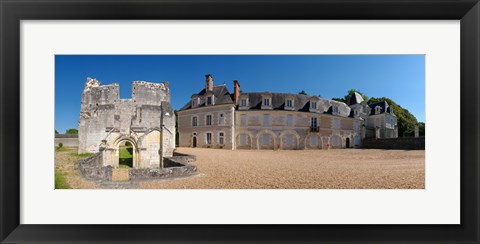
x=208, y=82
x=236, y=91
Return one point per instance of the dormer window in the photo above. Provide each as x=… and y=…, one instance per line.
x=335, y=109
x=314, y=104
x=289, y=103
x=243, y=102
x=195, y=101
x=210, y=100
x=267, y=101
x=377, y=110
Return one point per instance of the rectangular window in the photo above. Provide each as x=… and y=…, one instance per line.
x=208, y=139
x=314, y=105
x=221, y=120
x=194, y=121
x=266, y=102
x=243, y=120
x=313, y=122
x=266, y=139
x=209, y=100
x=289, y=103
x=289, y=120
x=266, y=120
x=209, y=120
x=220, y=138
x=243, y=103
x=243, y=139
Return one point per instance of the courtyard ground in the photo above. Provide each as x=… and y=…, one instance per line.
x=300, y=169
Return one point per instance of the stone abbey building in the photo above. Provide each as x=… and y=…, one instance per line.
x=216, y=118
x=146, y=121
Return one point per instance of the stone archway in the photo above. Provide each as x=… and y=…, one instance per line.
x=313, y=141
x=244, y=140
x=266, y=139
x=118, y=145
x=289, y=140
x=125, y=152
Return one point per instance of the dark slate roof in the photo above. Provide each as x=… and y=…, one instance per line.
x=384, y=107
x=354, y=98
x=301, y=102
x=220, y=93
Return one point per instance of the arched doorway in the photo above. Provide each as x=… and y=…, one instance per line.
x=194, y=141
x=125, y=155
x=347, y=143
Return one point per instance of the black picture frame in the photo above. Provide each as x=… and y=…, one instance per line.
x=13, y=11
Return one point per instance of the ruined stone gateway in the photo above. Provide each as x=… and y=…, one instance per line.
x=146, y=121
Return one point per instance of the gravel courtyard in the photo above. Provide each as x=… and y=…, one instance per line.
x=302, y=169
x=264, y=169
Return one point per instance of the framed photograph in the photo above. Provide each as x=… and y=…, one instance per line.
x=239, y=121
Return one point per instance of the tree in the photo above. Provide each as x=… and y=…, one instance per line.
x=339, y=99
x=350, y=93
x=421, y=129
x=302, y=92
x=405, y=120
x=56, y=132
x=72, y=131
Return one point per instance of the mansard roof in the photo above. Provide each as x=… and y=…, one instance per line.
x=220, y=93
x=354, y=98
x=384, y=107
x=301, y=102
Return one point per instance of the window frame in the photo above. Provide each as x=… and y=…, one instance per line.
x=207, y=121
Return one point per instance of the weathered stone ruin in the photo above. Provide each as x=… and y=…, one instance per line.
x=146, y=121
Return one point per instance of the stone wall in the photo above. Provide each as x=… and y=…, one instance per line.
x=92, y=168
x=68, y=140
x=174, y=167
x=406, y=143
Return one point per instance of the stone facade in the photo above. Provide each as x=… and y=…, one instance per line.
x=106, y=121
x=266, y=120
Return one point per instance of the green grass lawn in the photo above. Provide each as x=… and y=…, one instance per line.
x=60, y=182
x=126, y=157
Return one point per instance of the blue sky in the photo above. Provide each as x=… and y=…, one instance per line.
x=399, y=77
